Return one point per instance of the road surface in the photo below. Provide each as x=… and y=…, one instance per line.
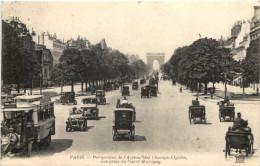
x=162, y=131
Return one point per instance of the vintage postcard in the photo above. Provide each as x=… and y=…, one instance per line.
x=127, y=83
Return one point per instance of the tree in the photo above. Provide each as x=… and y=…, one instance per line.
x=72, y=65
x=250, y=64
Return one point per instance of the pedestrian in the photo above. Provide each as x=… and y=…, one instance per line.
x=211, y=93
x=181, y=89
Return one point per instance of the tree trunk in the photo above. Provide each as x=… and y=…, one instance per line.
x=18, y=87
x=86, y=85
x=82, y=84
x=24, y=88
x=205, y=88
x=72, y=86
x=225, y=88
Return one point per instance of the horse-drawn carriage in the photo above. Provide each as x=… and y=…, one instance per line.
x=145, y=92
x=239, y=139
x=123, y=124
x=197, y=114
x=226, y=111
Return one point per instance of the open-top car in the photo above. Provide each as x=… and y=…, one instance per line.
x=100, y=95
x=90, y=109
x=68, y=98
x=125, y=90
x=226, y=111
x=239, y=139
x=76, y=120
x=197, y=114
x=27, y=122
x=123, y=124
x=135, y=85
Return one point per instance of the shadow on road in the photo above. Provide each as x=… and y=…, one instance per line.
x=57, y=146
x=137, y=121
x=140, y=138
x=90, y=127
x=100, y=117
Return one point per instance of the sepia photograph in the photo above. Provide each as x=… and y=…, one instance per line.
x=128, y=83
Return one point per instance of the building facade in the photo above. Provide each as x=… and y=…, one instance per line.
x=79, y=43
x=55, y=45
x=46, y=62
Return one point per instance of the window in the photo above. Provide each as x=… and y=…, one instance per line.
x=40, y=115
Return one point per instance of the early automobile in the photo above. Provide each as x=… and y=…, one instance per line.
x=68, y=98
x=143, y=81
x=100, y=95
x=76, y=120
x=135, y=85
x=27, y=122
x=123, y=124
x=145, y=92
x=238, y=139
x=153, y=90
x=127, y=105
x=90, y=109
x=125, y=90
x=226, y=111
x=197, y=114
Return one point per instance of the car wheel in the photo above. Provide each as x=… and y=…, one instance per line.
x=75, y=102
x=67, y=129
x=67, y=102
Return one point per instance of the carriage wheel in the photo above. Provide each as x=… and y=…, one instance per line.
x=82, y=127
x=227, y=151
x=29, y=149
x=219, y=116
x=67, y=102
x=67, y=128
x=115, y=136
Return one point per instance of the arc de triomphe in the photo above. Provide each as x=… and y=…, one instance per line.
x=155, y=56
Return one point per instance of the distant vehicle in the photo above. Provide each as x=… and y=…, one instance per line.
x=90, y=109
x=123, y=124
x=239, y=140
x=76, y=120
x=68, y=98
x=145, y=92
x=100, y=95
x=143, y=81
x=28, y=122
x=125, y=90
x=153, y=90
x=197, y=114
x=226, y=111
x=135, y=85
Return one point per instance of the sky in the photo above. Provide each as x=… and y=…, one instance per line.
x=132, y=27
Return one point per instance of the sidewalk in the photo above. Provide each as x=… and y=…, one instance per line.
x=216, y=99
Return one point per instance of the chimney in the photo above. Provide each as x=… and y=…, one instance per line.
x=257, y=12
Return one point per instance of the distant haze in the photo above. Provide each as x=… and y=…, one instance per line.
x=130, y=27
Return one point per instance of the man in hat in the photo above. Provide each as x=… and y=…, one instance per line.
x=239, y=123
x=124, y=101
